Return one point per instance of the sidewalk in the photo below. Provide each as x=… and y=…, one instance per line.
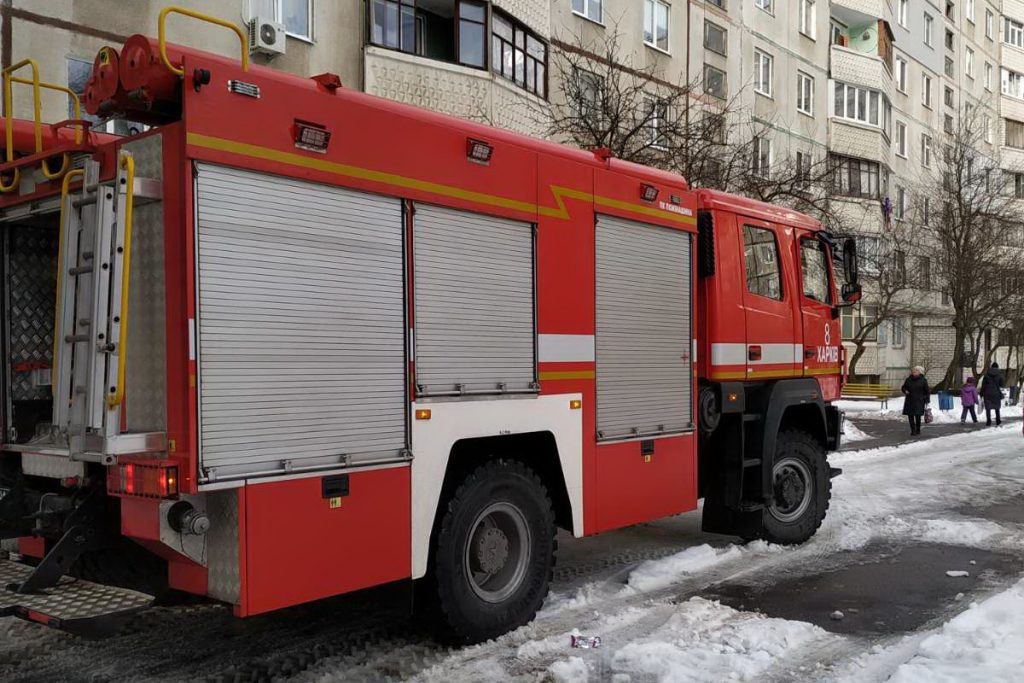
x=886, y=433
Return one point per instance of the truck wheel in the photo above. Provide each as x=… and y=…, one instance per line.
x=801, y=489
x=494, y=556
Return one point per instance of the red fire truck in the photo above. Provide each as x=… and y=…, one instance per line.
x=292, y=341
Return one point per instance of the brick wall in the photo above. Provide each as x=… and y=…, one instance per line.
x=933, y=348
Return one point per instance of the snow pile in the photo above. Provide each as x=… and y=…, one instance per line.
x=871, y=409
x=985, y=644
x=572, y=670
x=655, y=574
x=707, y=641
x=852, y=432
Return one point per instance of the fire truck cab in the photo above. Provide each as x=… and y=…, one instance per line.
x=294, y=340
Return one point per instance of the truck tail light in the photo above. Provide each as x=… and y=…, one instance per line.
x=143, y=478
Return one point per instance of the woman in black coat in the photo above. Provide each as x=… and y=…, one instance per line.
x=992, y=392
x=916, y=395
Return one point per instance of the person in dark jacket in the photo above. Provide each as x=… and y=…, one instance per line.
x=968, y=399
x=916, y=395
x=992, y=393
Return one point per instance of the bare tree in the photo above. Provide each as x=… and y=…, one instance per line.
x=972, y=239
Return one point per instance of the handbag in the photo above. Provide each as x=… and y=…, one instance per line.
x=928, y=416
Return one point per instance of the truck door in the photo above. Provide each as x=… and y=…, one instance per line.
x=773, y=327
x=820, y=329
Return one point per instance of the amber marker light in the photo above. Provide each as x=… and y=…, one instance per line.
x=423, y=413
x=575, y=404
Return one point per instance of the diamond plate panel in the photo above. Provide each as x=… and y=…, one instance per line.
x=146, y=373
x=71, y=599
x=32, y=263
x=223, y=561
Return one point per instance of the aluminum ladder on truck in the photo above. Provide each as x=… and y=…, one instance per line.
x=90, y=338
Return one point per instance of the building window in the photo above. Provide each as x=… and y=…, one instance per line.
x=814, y=270
x=716, y=38
x=901, y=139
x=656, y=24
x=591, y=9
x=949, y=66
x=808, y=17
x=1012, y=83
x=924, y=277
x=950, y=11
x=854, y=177
x=715, y=82
x=295, y=15
x=969, y=62
x=717, y=3
x=856, y=319
x=926, y=211
x=986, y=122
x=1013, y=32
x=588, y=95
x=803, y=168
x=761, y=158
x=767, y=5
x=929, y=29
x=804, y=93
x=949, y=39
x=862, y=105
x=947, y=123
x=969, y=10
x=899, y=209
x=901, y=15
x=948, y=96
x=457, y=30
x=836, y=33
x=1018, y=185
x=763, y=68
x=657, y=119
x=988, y=76
x=901, y=74
x=1014, y=134
x=989, y=23
x=518, y=55
x=926, y=150
x=898, y=333
x=761, y=253
x=926, y=90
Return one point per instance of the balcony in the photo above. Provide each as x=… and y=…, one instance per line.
x=452, y=89
x=853, y=139
x=859, y=68
x=854, y=9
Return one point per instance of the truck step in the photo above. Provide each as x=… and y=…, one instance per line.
x=752, y=462
x=80, y=607
x=751, y=506
x=751, y=417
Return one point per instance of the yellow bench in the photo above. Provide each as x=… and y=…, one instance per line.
x=875, y=392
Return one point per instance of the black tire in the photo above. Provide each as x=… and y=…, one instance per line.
x=483, y=594
x=801, y=490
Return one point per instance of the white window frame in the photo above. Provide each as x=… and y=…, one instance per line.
x=990, y=21
x=969, y=10
x=988, y=76
x=808, y=18
x=969, y=62
x=926, y=90
x=986, y=121
x=1013, y=32
x=929, y=30
x=762, y=58
x=901, y=139
x=871, y=101
x=765, y=5
x=725, y=37
x=585, y=13
x=926, y=150
x=902, y=70
x=805, y=93
x=902, y=12
x=1011, y=83
x=653, y=4
x=899, y=207
x=758, y=169
x=279, y=18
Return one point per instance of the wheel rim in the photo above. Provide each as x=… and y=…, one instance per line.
x=792, y=489
x=497, y=552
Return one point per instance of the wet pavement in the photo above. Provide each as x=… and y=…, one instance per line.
x=892, y=432
x=899, y=589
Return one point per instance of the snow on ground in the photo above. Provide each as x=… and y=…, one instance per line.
x=852, y=433
x=893, y=410
x=983, y=644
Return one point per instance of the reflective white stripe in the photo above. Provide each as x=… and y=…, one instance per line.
x=565, y=348
x=736, y=354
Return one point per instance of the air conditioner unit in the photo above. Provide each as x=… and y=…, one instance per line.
x=266, y=37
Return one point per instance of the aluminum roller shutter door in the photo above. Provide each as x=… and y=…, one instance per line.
x=301, y=325
x=474, y=302
x=643, y=336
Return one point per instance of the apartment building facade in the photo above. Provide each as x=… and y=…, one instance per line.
x=870, y=85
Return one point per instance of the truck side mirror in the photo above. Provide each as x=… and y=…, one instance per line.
x=850, y=262
x=852, y=292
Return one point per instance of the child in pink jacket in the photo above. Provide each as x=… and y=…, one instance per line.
x=968, y=399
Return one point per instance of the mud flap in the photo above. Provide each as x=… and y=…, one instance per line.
x=80, y=607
